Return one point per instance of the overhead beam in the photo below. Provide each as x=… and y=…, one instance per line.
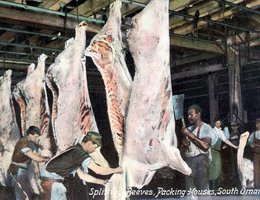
x=53, y=4
x=42, y=20
x=198, y=71
x=179, y=4
x=218, y=16
x=194, y=43
x=245, y=8
x=207, y=8
x=192, y=59
x=90, y=7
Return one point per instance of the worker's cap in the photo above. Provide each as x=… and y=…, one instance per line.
x=95, y=137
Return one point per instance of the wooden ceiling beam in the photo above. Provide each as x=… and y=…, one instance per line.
x=195, y=44
x=192, y=59
x=53, y=4
x=198, y=71
x=179, y=4
x=90, y=7
x=41, y=20
x=218, y=16
x=207, y=8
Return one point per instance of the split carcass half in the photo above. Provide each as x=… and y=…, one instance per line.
x=72, y=114
x=244, y=166
x=151, y=141
x=9, y=132
x=107, y=53
x=31, y=96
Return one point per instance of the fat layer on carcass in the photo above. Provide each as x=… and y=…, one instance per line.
x=9, y=132
x=72, y=114
x=66, y=78
x=240, y=159
x=107, y=53
x=150, y=126
x=31, y=96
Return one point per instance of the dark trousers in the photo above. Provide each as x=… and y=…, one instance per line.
x=199, y=178
x=257, y=170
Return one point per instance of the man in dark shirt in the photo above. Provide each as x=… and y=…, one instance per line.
x=74, y=160
x=24, y=153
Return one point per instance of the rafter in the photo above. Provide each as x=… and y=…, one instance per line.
x=53, y=4
x=207, y=8
x=218, y=16
x=90, y=7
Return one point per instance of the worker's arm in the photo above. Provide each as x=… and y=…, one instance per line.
x=230, y=144
x=35, y=156
x=202, y=143
x=103, y=170
x=226, y=140
x=90, y=179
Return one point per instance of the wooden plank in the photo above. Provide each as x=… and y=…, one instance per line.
x=53, y=4
x=197, y=71
x=179, y=4
x=196, y=44
x=90, y=7
x=219, y=16
x=205, y=9
x=196, y=58
x=41, y=20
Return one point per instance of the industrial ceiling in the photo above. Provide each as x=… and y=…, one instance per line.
x=201, y=31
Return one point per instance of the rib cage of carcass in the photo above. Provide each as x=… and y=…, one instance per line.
x=72, y=114
x=106, y=52
x=148, y=123
x=31, y=96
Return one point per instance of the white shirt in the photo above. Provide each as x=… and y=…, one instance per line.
x=220, y=133
x=254, y=135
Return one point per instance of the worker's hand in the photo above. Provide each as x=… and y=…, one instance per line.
x=185, y=145
x=118, y=170
x=185, y=131
x=186, y=142
x=103, y=182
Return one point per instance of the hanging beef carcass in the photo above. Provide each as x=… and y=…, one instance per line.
x=9, y=132
x=31, y=96
x=150, y=126
x=245, y=166
x=107, y=53
x=72, y=114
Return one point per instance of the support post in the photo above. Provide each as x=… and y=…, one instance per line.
x=213, y=97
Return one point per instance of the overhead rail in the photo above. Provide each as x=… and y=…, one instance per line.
x=22, y=54
x=238, y=6
x=215, y=22
x=33, y=33
x=193, y=17
x=30, y=46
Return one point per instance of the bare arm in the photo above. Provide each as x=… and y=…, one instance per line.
x=90, y=179
x=103, y=170
x=230, y=144
x=35, y=157
x=202, y=143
